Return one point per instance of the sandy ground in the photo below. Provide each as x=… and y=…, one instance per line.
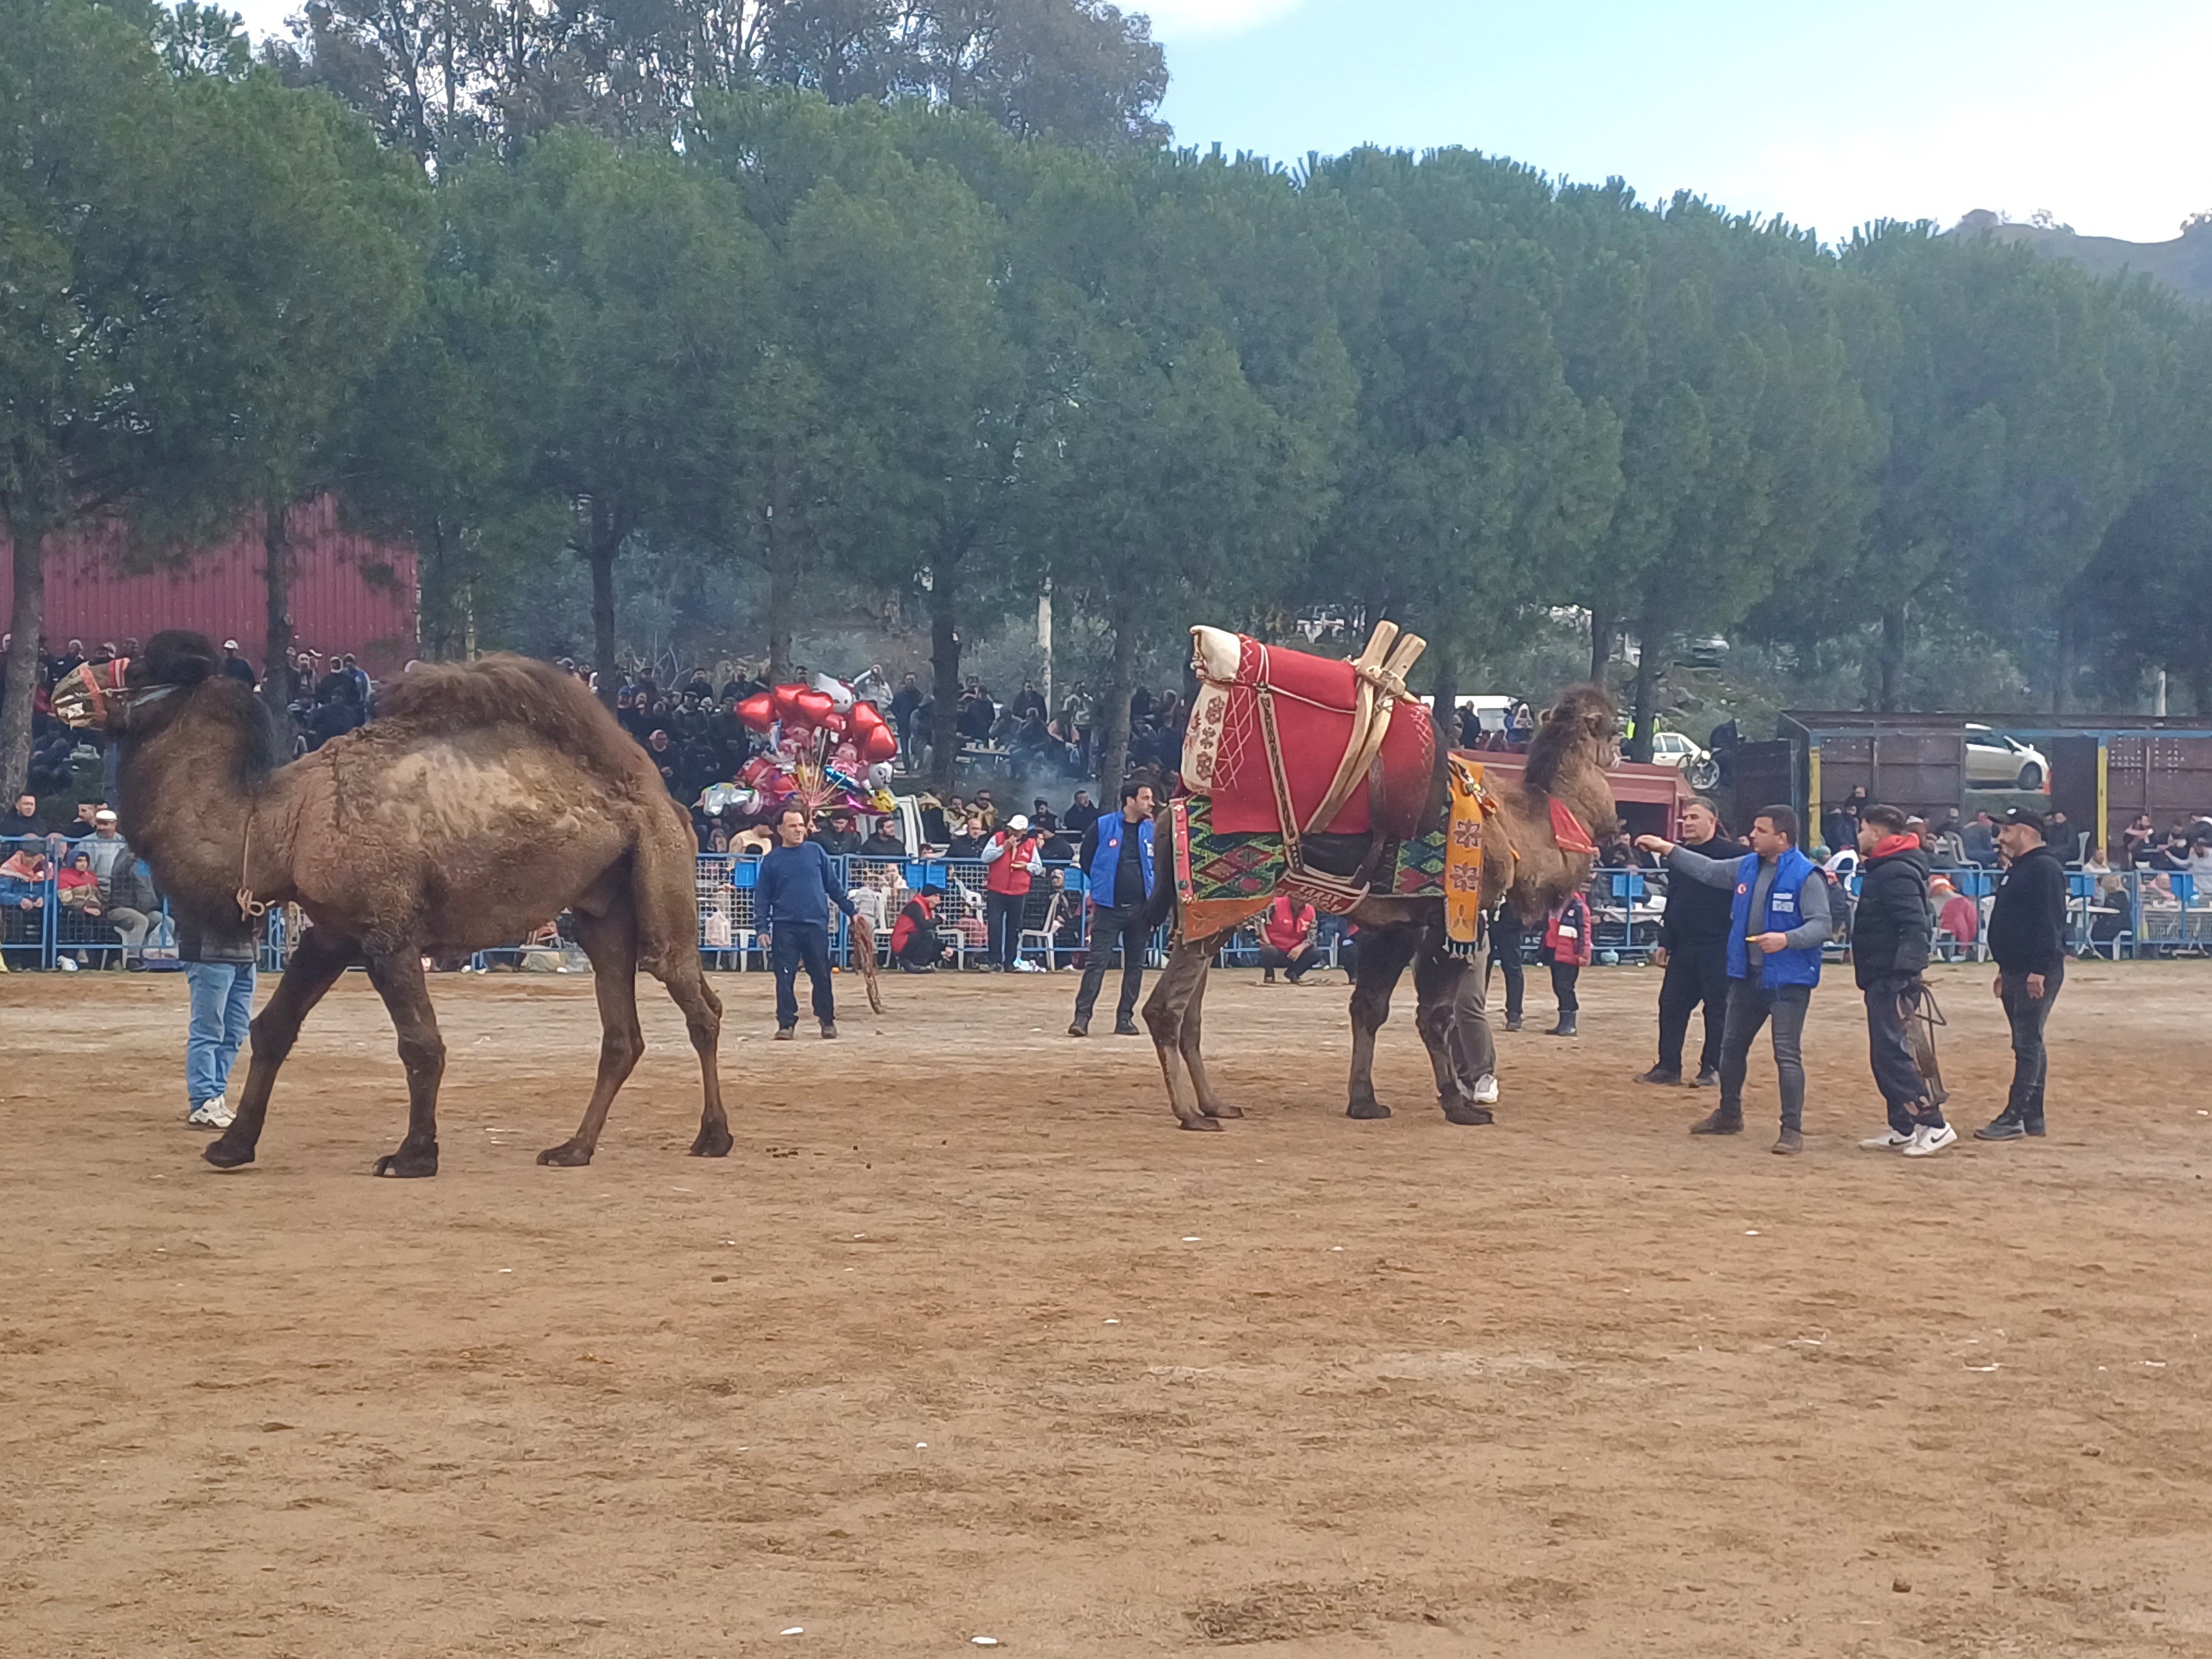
x=965, y=1340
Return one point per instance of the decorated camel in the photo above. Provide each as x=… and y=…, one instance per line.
x=485, y=799
x=1321, y=779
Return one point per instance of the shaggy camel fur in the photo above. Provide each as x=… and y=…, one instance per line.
x=486, y=798
x=1523, y=865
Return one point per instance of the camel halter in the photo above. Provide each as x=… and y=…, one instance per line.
x=250, y=909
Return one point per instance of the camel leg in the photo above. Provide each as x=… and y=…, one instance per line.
x=702, y=1018
x=1384, y=953
x=312, y=968
x=1188, y=965
x=398, y=980
x=610, y=942
x=1457, y=1028
x=1194, y=1057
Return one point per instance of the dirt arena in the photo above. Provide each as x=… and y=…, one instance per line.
x=965, y=1340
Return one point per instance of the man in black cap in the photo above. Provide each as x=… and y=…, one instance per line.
x=2027, y=937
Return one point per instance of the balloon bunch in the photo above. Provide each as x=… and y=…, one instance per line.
x=825, y=748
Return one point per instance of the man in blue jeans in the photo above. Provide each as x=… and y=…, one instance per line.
x=220, y=972
x=798, y=884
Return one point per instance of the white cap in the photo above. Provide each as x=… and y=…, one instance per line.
x=1017, y=823
x=105, y=815
x=230, y=645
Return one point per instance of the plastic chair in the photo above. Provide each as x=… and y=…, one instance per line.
x=1046, y=933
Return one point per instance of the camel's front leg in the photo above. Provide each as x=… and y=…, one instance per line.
x=1193, y=1060
x=1384, y=950
x=398, y=980
x=1181, y=980
x=313, y=968
x=610, y=942
x=1455, y=1027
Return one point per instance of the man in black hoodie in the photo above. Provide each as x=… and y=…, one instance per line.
x=1694, y=937
x=2027, y=937
x=1890, y=932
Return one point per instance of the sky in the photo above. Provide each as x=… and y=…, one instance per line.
x=1830, y=115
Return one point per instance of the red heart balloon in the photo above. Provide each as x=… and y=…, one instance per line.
x=757, y=711
x=813, y=707
x=833, y=722
x=786, y=698
x=881, y=743
x=866, y=719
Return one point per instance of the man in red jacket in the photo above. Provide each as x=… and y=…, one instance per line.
x=1014, y=860
x=1286, y=929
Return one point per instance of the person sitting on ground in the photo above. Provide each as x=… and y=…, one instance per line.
x=1287, y=941
x=916, y=945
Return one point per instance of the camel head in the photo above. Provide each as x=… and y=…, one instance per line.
x=120, y=697
x=1584, y=727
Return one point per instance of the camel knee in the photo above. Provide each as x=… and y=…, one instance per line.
x=621, y=1046
x=422, y=1054
x=271, y=1040
x=1165, y=1025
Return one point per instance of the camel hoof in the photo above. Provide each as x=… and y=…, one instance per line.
x=1202, y=1124
x=1219, y=1110
x=1367, y=1109
x=228, y=1154
x=568, y=1156
x=404, y=1165
x=712, y=1143
x=1456, y=1112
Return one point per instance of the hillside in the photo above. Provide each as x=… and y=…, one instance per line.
x=2183, y=264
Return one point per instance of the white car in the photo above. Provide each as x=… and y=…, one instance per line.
x=1996, y=762
x=1675, y=749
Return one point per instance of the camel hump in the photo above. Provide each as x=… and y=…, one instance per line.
x=436, y=699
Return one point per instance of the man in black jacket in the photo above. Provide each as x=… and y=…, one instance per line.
x=1890, y=932
x=1693, y=950
x=2027, y=937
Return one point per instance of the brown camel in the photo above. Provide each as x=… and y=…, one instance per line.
x=485, y=799
x=1523, y=865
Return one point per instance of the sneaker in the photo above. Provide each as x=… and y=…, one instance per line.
x=1126, y=1028
x=787, y=1034
x=1079, y=1031
x=1789, y=1143
x=1486, y=1090
x=1928, y=1139
x=213, y=1114
x=1513, y=1022
x=1658, y=1074
x=2006, y=1128
x=1719, y=1122
x=1887, y=1141
x=828, y=1029
x=1025, y=966
x=1708, y=1078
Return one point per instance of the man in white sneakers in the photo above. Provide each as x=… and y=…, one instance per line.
x=219, y=971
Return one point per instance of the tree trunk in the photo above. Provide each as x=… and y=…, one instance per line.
x=1113, y=716
x=2200, y=689
x=1649, y=649
x=782, y=602
x=944, y=696
x=1444, y=660
x=600, y=550
x=277, y=586
x=1889, y=688
x=26, y=616
x=1604, y=630
x=2066, y=661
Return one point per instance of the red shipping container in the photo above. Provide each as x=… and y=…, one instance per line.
x=350, y=592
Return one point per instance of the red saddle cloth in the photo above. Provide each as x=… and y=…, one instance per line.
x=1224, y=754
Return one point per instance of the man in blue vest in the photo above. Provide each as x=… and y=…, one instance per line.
x=1116, y=860
x=1778, y=923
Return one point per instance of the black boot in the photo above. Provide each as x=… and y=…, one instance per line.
x=2006, y=1126
x=1706, y=1078
x=1512, y=1022
x=1658, y=1074
x=1721, y=1121
x=1565, y=1027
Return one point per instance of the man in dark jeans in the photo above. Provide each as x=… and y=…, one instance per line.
x=798, y=884
x=1779, y=920
x=2027, y=937
x=1117, y=859
x=1506, y=930
x=1693, y=933
x=1890, y=932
